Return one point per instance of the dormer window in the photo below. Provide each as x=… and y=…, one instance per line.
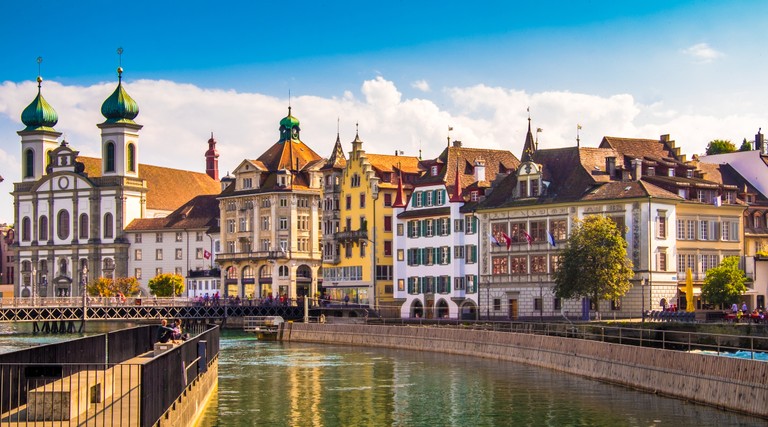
x=474, y=196
x=651, y=171
x=689, y=173
x=671, y=172
x=247, y=182
x=434, y=170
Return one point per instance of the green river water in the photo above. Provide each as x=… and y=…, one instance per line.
x=288, y=384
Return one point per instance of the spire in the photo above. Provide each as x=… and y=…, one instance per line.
x=212, y=159
x=400, y=195
x=336, y=159
x=456, y=196
x=529, y=147
x=39, y=115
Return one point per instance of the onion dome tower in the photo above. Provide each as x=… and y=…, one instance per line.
x=39, y=137
x=119, y=133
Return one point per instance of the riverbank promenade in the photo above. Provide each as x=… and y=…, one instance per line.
x=122, y=378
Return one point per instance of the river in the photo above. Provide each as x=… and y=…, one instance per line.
x=291, y=384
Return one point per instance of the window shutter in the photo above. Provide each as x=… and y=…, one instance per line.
x=474, y=253
x=448, y=251
x=447, y=226
x=435, y=255
x=445, y=195
x=434, y=197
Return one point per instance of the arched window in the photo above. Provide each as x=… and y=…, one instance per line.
x=62, y=224
x=108, y=226
x=231, y=273
x=131, y=158
x=83, y=228
x=26, y=229
x=110, y=157
x=248, y=272
x=29, y=163
x=42, y=228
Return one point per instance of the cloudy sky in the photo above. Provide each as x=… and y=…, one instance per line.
x=405, y=71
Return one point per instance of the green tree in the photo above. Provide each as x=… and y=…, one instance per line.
x=720, y=146
x=594, y=263
x=725, y=283
x=746, y=145
x=106, y=287
x=166, y=285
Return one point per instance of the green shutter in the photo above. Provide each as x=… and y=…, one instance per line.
x=423, y=224
x=449, y=255
x=474, y=253
x=423, y=198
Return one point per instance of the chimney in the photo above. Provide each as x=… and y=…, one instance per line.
x=610, y=165
x=479, y=170
x=759, y=141
x=457, y=144
x=637, y=165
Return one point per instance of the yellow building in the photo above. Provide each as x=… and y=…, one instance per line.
x=368, y=188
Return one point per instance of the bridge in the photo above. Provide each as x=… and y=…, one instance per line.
x=63, y=314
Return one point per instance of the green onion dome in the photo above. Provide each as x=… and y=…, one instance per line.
x=39, y=115
x=120, y=107
x=289, y=121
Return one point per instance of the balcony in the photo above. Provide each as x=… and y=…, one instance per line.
x=256, y=256
x=214, y=272
x=355, y=235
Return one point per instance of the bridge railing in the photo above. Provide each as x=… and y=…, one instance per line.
x=25, y=302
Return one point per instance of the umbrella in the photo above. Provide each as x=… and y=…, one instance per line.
x=689, y=291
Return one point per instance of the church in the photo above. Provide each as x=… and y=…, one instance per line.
x=72, y=211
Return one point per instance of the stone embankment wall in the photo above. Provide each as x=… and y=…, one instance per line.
x=734, y=384
x=189, y=407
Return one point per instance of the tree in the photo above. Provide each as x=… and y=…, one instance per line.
x=725, y=283
x=594, y=263
x=106, y=287
x=166, y=285
x=746, y=145
x=720, y=146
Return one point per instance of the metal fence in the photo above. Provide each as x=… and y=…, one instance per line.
x=110, y=379
x=754, y=346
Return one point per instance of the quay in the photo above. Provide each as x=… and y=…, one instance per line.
x=637, y=360
x=121, y=378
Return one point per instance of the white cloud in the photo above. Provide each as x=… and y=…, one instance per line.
x=421, y=85
x=702, y=52
x=178, y=119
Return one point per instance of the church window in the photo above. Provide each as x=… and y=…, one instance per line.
x=108, y=226
x=83, y=228
x=62, y=224
x=110, y=157
x=42, y=233
x=131, y=157
x=26, y=229
x=29, y=163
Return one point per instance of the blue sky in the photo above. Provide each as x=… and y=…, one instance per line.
x=404, y=70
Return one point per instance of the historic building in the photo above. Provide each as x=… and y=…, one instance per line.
x=7, y=256
x=72, y=210
x=363, y=270
x=644, y=185
x=436, y=267
x=331, y=204
x=269, y=216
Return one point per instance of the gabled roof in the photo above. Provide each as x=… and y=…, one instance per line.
x=461, y=160
x=390, y=163
x=200, y=212
x=167, y=188
x=638, y=148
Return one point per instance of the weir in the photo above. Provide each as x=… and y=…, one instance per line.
x=116, y=379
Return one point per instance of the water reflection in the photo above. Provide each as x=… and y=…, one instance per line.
x=274, y=384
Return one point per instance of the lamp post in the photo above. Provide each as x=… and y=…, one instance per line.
x=33, y=283
x=642, y=296
x=83, y=283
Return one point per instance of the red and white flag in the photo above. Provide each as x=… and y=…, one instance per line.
x=507, y=239
x=527, y=236
x=206, y=254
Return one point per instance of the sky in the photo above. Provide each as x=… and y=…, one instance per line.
x=399, y=72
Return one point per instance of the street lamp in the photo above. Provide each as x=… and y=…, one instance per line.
x=83, y=283
x=33, y=282
x=642, y=296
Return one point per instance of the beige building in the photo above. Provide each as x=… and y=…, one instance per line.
x=270, y=242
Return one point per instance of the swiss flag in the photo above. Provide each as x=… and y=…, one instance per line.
x=206, y=254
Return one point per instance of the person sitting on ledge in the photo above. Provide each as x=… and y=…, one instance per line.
x=164, y=333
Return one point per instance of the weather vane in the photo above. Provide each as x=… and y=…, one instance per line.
x=39, y=77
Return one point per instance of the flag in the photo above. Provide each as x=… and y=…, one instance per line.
x=551, y=239
x=578, y=127
x=506, y=239
x=495, y=241
x=450, y=128
x=527, y=236
x=206, y=254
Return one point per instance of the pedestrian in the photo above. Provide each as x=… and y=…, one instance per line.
x=176, y=330
x=346, y=299
x=164, y=333
x=744, y=308
x=734, y=308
